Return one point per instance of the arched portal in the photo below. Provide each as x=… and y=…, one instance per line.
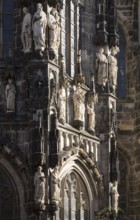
x=8, y=197
x=12, y=192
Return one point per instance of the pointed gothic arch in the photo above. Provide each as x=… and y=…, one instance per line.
x=125, y=160
x=12, y=188
x=77, y=184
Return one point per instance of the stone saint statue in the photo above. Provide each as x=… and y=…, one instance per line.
x=114, y=196
x=91, y=117
x=39, y=24
x=10, y=93
x=55, y=184
x=79, y=103
x=26, y=31
x=113, y=67
x=39, y=183
x=54, y=30
x=62, y=104
x=101, y=63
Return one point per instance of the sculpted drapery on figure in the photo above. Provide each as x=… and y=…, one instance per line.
x=26, y=31
x=91, y=117
x=91, y=113
x=54, y=29
x=39, y=25
x=39, y=183
x=101, y=64
x=55, y=184
x=113, y=67
x=10, y=93
x=79, y=103
x=62, y=105
x=114, y=196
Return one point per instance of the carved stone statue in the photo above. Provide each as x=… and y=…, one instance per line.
x=113, y=67
x=10, y=93
x=39, y=24
x=26, y=31
x=54, y=30
x=39, y=183
x=91, y=117
x=62, y=104
x=79, y=104
x=55, y=184
x=114, y=196
x=101, y=63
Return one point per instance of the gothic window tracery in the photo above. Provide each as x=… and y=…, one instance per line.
x=121, y=90
x=6, y=27
x=70, y=34
x=75, y=199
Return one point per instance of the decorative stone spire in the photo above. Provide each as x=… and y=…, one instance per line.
x=101, y=24
x=112, y=26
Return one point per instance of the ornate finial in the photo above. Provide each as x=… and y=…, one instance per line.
x=79, y=78
x=62, y=79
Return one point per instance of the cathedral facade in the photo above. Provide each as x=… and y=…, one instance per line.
x=69, y=109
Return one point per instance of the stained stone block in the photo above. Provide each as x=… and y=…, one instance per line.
x=126, y=125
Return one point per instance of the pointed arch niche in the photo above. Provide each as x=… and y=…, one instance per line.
x=121, y=89
x=12, y=193
x=78, y=193
x=125, y=161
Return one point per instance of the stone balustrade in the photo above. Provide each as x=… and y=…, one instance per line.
x=70, y=138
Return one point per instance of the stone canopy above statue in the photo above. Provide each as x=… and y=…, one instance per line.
x=52, y=3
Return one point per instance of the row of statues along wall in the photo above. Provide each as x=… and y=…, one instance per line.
x=37, y=25
x=79, y=106
x=78, y=100
x=107, y=68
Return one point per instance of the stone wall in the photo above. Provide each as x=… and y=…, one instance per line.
x=128, y=114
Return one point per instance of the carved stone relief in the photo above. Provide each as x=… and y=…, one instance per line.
x=37, y=26
x=113, y=68
x=54, y=31
x=79, y=104
x=62, y=105
x=39, y=29
x=114, y=196
x=26, y=31
x=101, y=64
x=91, y=117
x=39, y=183
x=55, y=184
x=10, y=93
